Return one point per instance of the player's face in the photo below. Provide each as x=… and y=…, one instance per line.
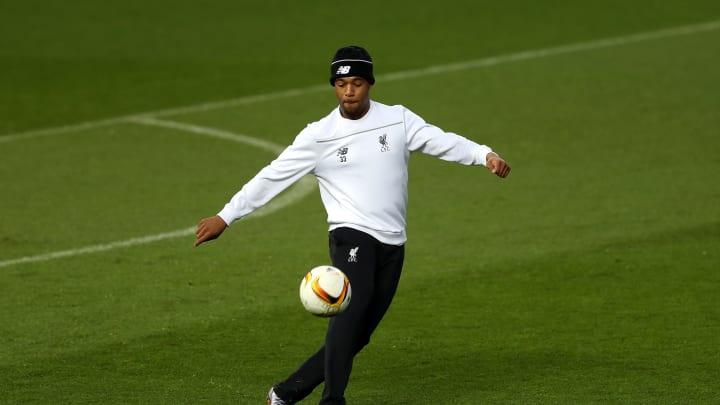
x=353, y=94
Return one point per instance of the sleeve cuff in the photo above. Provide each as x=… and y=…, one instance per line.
x=482, y=154
x=226, y=215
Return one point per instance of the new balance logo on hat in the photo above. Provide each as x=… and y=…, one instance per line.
x=353, y=58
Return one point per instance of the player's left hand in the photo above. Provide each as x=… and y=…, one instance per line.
x=497, y=165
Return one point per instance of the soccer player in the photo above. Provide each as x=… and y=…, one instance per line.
x=359, y=154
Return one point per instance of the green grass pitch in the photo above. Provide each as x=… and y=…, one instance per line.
x=590, y=275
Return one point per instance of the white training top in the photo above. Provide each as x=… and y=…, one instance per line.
x=361, y=167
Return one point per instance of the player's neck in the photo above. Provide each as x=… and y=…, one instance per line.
x=357, y=114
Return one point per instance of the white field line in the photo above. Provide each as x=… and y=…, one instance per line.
x=558, y=50
x=404, y=75
x=298, y=191
x=205, y=131
x=98, y=248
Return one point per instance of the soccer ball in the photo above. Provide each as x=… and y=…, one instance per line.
x=325, y=291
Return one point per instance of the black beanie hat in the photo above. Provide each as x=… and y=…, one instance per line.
x=351, y=61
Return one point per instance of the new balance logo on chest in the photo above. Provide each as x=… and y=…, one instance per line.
x=342, y=154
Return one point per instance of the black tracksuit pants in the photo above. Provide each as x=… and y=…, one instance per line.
x=374, y=271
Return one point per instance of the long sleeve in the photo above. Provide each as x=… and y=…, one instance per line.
x=433, y=141
x=291, y=165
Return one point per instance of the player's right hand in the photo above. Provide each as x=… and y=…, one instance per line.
x=209, y=229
